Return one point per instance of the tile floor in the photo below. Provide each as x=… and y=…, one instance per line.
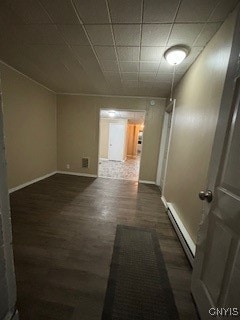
x=127, y=170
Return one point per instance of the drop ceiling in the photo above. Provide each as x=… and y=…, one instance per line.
x=109, y=47
x=133, y=117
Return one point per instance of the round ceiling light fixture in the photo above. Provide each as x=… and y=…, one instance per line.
x=175, y=55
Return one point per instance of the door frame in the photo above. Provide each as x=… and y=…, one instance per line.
x=165, y=144
x=99, y=129
x=221, y=135
x=8, y=273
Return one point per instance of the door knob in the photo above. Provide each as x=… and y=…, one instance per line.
x=206, y=195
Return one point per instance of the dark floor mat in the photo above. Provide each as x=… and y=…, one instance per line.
x=138, y=286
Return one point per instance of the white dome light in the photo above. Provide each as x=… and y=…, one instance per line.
x=176, y=55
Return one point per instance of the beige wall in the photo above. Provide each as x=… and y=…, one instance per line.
x=198, y=100
x=78, y=131
x=30, y=127
x=104, y=136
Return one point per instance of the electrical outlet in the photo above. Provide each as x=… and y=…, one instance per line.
x=68, y=166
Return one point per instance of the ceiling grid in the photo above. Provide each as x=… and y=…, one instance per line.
x=112, y=47
x=114, y=42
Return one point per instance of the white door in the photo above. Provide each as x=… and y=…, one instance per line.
x=216, y=272
x=116, y=146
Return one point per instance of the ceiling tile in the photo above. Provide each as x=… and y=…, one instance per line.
x=128, y=53
x=30, y=11
x=115, y=83
x=50, y=53
x=160, y=92
x=162, y=77
x=149, y=66
x=165, y=67
x=177, y=78
x=152, y=53
x=109, y=65
x=92, y=11
x=127, y=35
x=91, y=66
x=129, y=66
x=39, y=34
x=207, y=33
x=164, y=87
x=100, y=34
x=85, y=54
x=61, y=11
x=159, y=11
x=74, y=34
x=9, y=34
x=144, y=76
x=163, y=84
x=105, y=53
x=7, y=16
x=183, y=67
x=222, y=10
x=146, y=84
x=112, y=75
x=155, y=34
x=125, y=11
x=130, y=83
x=184, y=34
x=75, y=68
x=194, y=52
x=195, y=10
x=129, y=75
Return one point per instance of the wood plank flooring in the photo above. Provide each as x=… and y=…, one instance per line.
x=63, y=234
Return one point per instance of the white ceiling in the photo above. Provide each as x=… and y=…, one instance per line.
x=105, y=46
x=134, y=117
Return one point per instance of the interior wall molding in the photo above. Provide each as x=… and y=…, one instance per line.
x=31, y=182
x=109, y=96
x=29, y=78
x=147, y=182
x=78, y=174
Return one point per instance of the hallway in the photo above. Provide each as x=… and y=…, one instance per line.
x=63, y=231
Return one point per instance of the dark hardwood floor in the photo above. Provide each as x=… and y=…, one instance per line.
x=63, y=234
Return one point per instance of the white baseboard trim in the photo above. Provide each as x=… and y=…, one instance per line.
x=147, y=181
x=78, y=174
x=103, y=159
x=31, y=182
x=184, y=237
x=164, y=202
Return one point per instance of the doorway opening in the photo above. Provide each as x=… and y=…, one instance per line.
x=120, y=144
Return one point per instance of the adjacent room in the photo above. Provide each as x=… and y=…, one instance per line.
x=120, y=144
x=119, y=162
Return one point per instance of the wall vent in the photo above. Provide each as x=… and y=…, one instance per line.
x=85, y=162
